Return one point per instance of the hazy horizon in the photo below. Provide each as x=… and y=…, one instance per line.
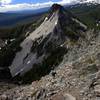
x=16, y=5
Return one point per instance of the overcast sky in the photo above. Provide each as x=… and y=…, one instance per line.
x=11, y=5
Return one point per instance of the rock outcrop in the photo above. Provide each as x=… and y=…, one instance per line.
x=75, y=76
x=45, y=47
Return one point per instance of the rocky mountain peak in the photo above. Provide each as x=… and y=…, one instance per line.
x=56, y=7
x=60, y=58
x=46, y=43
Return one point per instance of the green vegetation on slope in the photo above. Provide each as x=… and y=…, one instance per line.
x=89, y=14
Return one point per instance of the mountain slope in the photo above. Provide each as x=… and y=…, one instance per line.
x=69, y=57
x=88, y=13
x=10, y=43
x=59, y=26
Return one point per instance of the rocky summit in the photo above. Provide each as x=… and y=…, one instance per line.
x=44, y=48
x=59, y=60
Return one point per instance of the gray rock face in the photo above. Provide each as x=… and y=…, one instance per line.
x=77, y=77
x=56, y=29
x=18, y=64
x=64, y=97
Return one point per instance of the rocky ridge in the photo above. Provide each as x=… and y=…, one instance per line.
x=44, y=48
x=75, y=78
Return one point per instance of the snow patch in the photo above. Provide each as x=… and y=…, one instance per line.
x=81, y=24
x=46, y=18
x=97, y=24
x=56, y=23
x=28, y=62
x=11, y=40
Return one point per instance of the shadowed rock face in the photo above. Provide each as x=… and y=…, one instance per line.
x=45, y=45
x=56, y=7
x=5, y=74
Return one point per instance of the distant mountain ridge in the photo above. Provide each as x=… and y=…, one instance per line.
x=8, y=18
x=88, y=13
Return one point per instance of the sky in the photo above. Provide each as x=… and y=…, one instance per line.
x=13, y=5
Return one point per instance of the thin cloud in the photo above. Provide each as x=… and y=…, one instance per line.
x=6, y=6
x=3, y=2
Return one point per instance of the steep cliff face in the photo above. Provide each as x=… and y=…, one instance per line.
x=45, y=47
x=61, y=48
